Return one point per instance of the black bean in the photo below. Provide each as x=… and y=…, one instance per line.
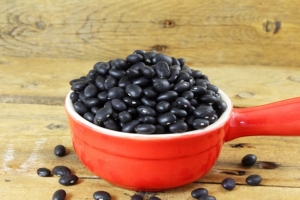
x=150, y=92
x=117, y=73
x=90, y=91
x=182, y=102
x=103, y=114
x=181, y=61
x=93, y=74
x=119, y=105
x=161, y=85
x=162, y=70
x=201, y=82
x=132, y=102
x=154, y=198
x=147, y=120
x=100, y=80
x=60, y=150
x=134, y=58
x=207, y=197
x=129, y=127
x=179, y=113
x=149, y=102
x=168, y=96
x=163, y=106
x=186, y=69
x=95, y=109
x=59, y=195
x=125, y=116
x=107, y=104
x=162, y=57
x=141, y=52
x=213, y=119
x=74, y=96
x=200, y=123
x=159, y=129
x=145, y=128
x=148, y=56
x=210, y=92
x=89, y=116
x=228, y=183
x=102, y=68
x=146, y=111
x=204, y=111
x=175, y=67
x=191, y=81
x=207, y=99
x=253, y=180
x=213, y=88
x=142, y=81
x=61, y=170
x=110, y=82
x=188, y=95
x=204, y=77
x=183, y=76
x=197, y=193
x=119, y=64
x=147, y=71
x=103, y=96
x=181, y=87
x=92, y=102
x=116, y=93
x=80, y=108
x=111, y=124
x=43, y=172
x=249, y=159
x=82, y=97
x=124, y=81
x=220, y=105
x=68, y=179
x=133, y=91
x=133, y=73
x=166, y=119
x=198, y=90
x=173, y=74
x=101, y=195
x=74, y=81
x=194, y=102
x=196, y=74
x=136, y=197
x=79, y=86
x=175, y=61
x=178, y=127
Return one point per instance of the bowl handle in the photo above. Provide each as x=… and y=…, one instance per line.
x=281, y=118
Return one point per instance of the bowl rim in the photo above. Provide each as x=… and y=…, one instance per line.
x=101, y=130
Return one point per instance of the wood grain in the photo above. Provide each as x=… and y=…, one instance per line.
x=206, y=32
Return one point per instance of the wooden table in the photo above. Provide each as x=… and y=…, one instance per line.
x=249, y=49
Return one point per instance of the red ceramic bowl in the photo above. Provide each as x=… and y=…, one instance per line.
x=165, y=161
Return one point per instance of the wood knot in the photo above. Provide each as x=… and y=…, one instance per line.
x=233, y=172
x=267, y=165
x=241, y=145
x=55, y=126
x=270, y=26
x=40, y=25
x=159, y=48
x=168, y=23
x=245, y=95
x=294, y=79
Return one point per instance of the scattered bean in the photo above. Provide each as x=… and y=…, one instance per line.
x=249, y=159
x=136, y=197
x=228, y=183
x=253, y=180
x=60, y=150
x=197, y=193
x=59, y=195
x=61, y=170
x=101, y=195
x=68, y=179
x=43, y=172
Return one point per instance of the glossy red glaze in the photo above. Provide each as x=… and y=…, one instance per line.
x=160, y=162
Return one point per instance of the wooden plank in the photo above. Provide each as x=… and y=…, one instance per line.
x=206, y=32
x=46, y=81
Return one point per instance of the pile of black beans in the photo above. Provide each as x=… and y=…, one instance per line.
x=147, y=93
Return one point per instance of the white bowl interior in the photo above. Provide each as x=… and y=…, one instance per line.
x=220, y=122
